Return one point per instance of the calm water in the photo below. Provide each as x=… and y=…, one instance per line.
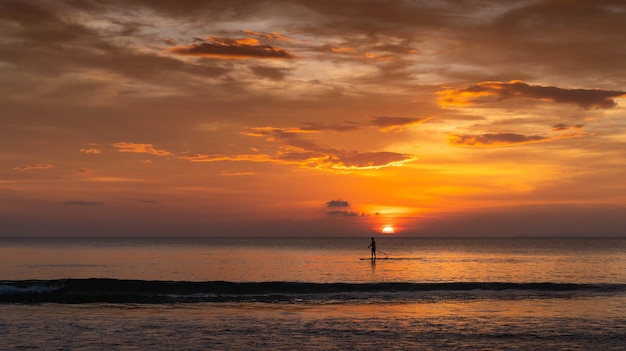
x=312, y=294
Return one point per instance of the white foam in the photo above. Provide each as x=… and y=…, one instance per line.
x=33, y=289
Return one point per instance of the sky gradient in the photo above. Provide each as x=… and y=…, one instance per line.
x=221, y=118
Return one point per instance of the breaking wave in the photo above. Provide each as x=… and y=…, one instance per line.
x=146, y=291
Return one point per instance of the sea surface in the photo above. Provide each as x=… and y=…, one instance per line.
x=312, y=294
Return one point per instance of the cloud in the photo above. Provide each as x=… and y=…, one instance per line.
x=82, y=203
x=199, y=157
x=140, y=148
x=341, y=127
x=563, y=127
x=272, y=35
x=55, y=39
x=36, y=166
x=236, y=174
x=308, y=154
x=342, y=214
x=342, y=50
x=562, y=131
x=385, y=124
x=90, y=151
x=488, y=92
x=337, y=203
x=395, y=124
x=224, y=48
x=495, y=139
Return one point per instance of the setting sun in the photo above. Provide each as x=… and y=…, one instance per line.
x=388, y=230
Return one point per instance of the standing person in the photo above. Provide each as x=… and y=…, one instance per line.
x=373, y=246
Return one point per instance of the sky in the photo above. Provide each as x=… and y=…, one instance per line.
x=312, y=118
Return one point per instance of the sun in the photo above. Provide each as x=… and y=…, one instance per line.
x=388, y=230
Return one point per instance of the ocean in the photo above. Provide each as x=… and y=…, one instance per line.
x=312, y=294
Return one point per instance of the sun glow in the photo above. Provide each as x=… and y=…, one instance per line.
x=388, y=230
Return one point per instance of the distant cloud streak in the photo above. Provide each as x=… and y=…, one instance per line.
x=90, y=151
x=36, y=166
x=272, y=35
x=224, y=48
x=342, y=214
x=495, y=139
x=140, y=148
x=489, y=92
x=505, y=139
x=396, y=124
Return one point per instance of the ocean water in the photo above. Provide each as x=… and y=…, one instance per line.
x=312, y=294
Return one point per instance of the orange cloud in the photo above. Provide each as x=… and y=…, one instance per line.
x=271, y=35
x=342, y=50
x=90, y=151
x=224, y=48
x=486, y=92
x=140, y=148
x=33, y=167
x=293, y=149
x=396, y=124
x=305, y=153
x=378, y=57
x=220, y=158
x=236, y=174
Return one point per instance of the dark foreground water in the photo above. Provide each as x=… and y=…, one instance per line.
x=312, y=294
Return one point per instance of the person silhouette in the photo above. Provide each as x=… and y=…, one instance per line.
x=373, y=246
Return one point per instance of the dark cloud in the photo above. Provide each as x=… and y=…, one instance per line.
x=563, y=127
x=337, y=203
x=486, y=92
x=226, y=48
x=495, y=139
x=385, y=124
x=343, y=127
x=40, y=23
x=46, y=40
x=342, y=214
x=384, y=121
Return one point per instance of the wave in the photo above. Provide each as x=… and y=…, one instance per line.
x=98, y=290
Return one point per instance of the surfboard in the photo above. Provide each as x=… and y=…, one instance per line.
x=391, y=258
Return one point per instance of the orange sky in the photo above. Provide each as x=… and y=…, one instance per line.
x=303, y=117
